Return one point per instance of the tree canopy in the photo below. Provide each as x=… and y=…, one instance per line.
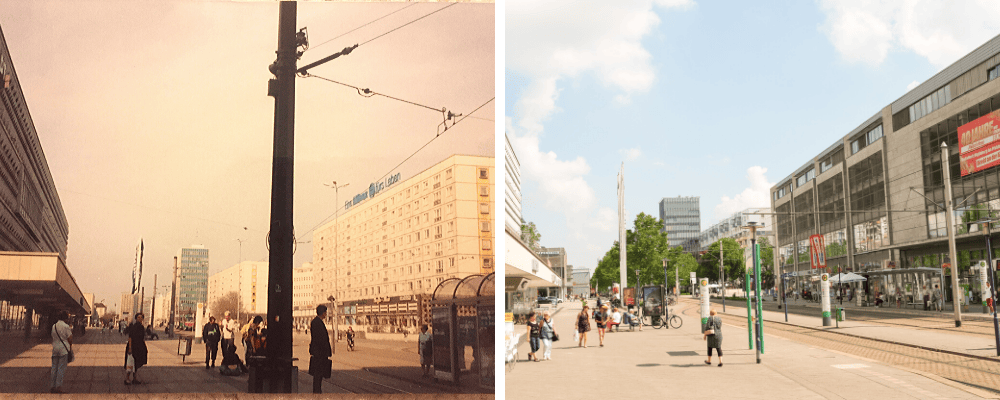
x=530, y=235
x=646, y=247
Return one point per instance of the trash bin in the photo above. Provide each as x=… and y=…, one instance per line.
x=841, y=314
x=184, y=347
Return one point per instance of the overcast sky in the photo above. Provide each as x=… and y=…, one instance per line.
x=155, y=121
x=716, y=99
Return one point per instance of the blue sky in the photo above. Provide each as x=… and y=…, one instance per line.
x=711, y=99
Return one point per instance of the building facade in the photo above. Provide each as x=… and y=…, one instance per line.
x=581, y=283
x=681, y=218
x=555, y=258
x=249, y=279
x=512, y=190
x=876, y=194
x=732, y=228
x=192, y=280
x=384, y=256
x=304, y=301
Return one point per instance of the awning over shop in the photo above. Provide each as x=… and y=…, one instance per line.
x=40, y=281
x=523, y=263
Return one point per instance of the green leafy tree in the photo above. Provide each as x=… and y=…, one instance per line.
x=766, y=263
x=733, y=263
x=530, y=235
x=646, y=247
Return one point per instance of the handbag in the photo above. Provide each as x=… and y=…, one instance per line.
x=710, y=328
x=69, y=357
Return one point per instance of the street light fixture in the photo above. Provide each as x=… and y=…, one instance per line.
x=666, y=310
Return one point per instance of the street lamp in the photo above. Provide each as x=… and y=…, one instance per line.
x=759, y=325
x=666, y=311
x=336, y=254
x=990, y=276
x=333, y=306
x=239, y=287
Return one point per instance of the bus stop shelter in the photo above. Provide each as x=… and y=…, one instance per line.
x=463, y=320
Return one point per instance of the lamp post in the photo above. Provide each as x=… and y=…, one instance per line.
x=990, y=276
x=759, y=325
x=666, y=311
x=336, y=255
x=333, y=307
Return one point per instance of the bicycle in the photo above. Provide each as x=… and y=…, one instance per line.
x=675, y=322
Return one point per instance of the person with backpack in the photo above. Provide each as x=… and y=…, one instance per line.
x=712, y=333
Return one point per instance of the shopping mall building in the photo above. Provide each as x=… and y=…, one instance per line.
x=876, y=195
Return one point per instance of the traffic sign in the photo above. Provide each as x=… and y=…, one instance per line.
x=817, y=251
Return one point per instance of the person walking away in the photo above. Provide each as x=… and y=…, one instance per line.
x=583, y=325
x=135, y=350
x=713, y=335
x=547, y=334
x=534, y=335
x=319, y=350
x=228, y=332
x=601, y=318
x=211, y=335
x=62, y=346
x=424, y=347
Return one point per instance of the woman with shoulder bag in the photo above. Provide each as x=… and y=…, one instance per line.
x=548, y=336
x=713, y=335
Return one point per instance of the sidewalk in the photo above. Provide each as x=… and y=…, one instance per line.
x=661, y=363
x=961, y=342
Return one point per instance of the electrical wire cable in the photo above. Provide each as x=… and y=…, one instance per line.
x=362, y=26
x=408, y=23
x=404, y=161
x=365, y=92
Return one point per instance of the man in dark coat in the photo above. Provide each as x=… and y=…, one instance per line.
x=319, y=350
x=211, y=334
x=136, y=348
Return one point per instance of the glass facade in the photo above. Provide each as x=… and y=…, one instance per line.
x=681, y=218
x=192, y=280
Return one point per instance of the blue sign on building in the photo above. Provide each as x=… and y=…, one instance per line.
x=373, y=189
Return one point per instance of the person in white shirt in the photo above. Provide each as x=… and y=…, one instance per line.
x=62, y=345
x=229, y=328
x=616, y=319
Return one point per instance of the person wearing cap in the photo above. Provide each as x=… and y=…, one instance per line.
x=601, y=318
x=228, y=332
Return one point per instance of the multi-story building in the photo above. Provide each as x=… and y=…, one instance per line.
x=681, y=218
x=732, y=228
x=128, y=306
x=303, y=299
x=397, y=240
x=581, y=283
x=555, y=258
x=512, y=189
x=249, y=280
x=876, y=193
x=33, y=227
x=162, y=305
x=192, y=280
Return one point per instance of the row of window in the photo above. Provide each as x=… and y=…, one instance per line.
x=866, y=139
x=806, y=177
x=930, y=103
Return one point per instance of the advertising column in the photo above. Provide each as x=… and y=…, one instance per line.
x=703, y=287
x=825, y=285
x=199, y=322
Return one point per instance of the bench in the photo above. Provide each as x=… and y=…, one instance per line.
x=915, y=304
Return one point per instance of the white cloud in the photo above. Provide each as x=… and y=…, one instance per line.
x=912, y=85
x=630, y=154
x=940, y=31
x=757, y=195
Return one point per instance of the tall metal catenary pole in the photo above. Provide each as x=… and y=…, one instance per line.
x=173, y=301
x=622, y=247
x=152, y=308
x=281, y=236
x=950, y=221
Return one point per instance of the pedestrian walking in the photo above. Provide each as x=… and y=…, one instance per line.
x=212, y=336
x=534, y=336
x=62, y=348
x=583, y=326
x=424, y=347
x=988, y=295
x=548, y=336
x=320, y=366
x=601, y=318
x=713, y=335
x=228, y=332
x=135, y=350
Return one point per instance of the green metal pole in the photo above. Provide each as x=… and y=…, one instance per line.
x=760, y=301
x=746, y=289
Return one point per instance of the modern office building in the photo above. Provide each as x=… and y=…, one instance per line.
x=192, y=280
x=512, y=189
x=128, y=306
x=33, y=227
x=249, y=279
x=304, y=301
x=398, y=239
x=162, y=306
x=876, y=194
x=555, y=258
x=681, y=218
x=581, y=283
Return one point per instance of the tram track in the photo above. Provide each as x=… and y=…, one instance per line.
x=977, y=371
x=979, y=328
x=379, y=388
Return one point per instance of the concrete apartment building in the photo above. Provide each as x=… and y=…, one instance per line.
x=682, y=221
x=304, y=301
x=192, y=280
x=876, y=193
x=397, y=240
x=732, y=228
x=249, y=279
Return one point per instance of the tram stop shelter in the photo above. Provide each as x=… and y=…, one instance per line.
x=911, y=283
x=42, y=285
x=462, y=320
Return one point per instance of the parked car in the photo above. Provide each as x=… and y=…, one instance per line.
x=545, y=300
x=556, y=300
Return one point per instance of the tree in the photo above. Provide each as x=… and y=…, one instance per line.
x=646, y=247
x=228, y=302
x=530, y=235
x=766, y=263
x=733, y=262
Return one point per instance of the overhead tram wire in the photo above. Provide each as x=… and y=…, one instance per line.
x=365, y=92
x=404, y=161
x=408, y=23
x=362, y=26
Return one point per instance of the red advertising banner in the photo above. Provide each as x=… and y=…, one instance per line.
x=817, y=251
x=979, y=143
